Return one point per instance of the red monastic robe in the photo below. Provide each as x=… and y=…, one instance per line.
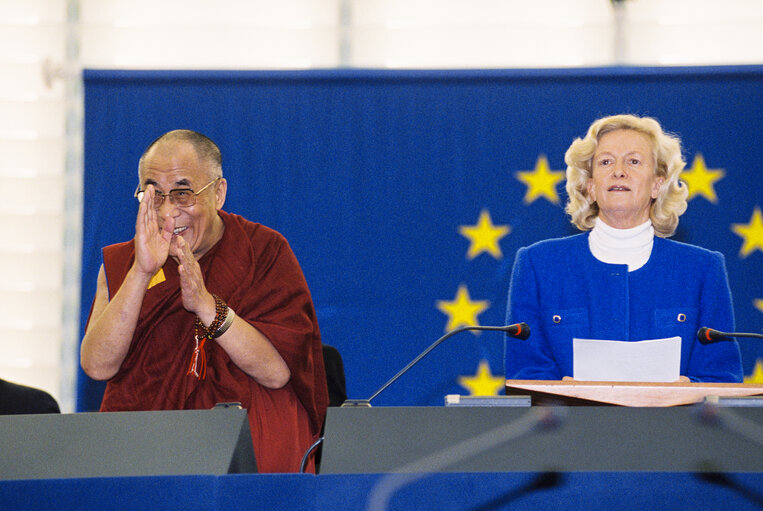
x=253, y=269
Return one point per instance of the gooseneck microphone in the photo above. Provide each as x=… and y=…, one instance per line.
x=518, y=331
x=709, y=335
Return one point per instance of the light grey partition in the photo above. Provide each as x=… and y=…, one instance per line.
x=214, y=441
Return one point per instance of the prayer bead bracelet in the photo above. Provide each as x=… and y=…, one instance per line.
x=224, y=316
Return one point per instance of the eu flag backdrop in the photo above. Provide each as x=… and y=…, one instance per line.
x=405, y=194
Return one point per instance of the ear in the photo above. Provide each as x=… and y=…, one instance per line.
x=591, y=190
x=656, y=185
x=220, y=193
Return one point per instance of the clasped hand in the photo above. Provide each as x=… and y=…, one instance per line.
x=153, y=244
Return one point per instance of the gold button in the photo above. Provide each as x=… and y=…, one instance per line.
x=681, y=317
x=557, y=318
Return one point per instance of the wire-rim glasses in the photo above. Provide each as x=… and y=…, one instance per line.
x=180, y=197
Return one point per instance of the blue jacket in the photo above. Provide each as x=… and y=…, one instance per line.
x=562, y=291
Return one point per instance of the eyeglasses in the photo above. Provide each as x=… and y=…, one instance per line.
x=180, y=197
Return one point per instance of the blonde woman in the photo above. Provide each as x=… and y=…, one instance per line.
x=623, y=280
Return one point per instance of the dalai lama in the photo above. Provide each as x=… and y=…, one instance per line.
x=204, y=306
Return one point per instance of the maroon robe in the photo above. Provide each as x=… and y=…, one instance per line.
x=253, y=269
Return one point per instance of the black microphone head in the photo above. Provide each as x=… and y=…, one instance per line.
x=519, y=330
x=708, y=335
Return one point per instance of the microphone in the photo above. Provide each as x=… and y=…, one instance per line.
x=517, y=330
x=708, y=335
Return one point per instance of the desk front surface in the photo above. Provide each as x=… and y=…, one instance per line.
x=110, y=444
x=541, y=439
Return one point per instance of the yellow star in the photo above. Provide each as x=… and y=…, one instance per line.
x=484, y=236
x=483, y=383
x=757, y=373
x=462, y=311
x=541, y=181
x=758, y=303
x=752, y=233
x=700, y=179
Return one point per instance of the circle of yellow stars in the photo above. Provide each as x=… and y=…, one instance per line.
x=483, y=383
x=542, y=182
x=484, y=236
x=757, y=373
x=701, y=180
x=462, y=311
x=757, y=370
x=752, y=233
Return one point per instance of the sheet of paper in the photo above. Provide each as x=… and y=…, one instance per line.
x=653, y=360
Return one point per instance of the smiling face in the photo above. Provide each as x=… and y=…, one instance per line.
x=624, y=182
x=174, y=164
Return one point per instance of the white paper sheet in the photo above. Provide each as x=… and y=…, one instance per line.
x=653, y=360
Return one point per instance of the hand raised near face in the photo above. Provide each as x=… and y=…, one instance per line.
x=193, y=291
x=152, y=243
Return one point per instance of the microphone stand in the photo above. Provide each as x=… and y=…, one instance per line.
x=366, y=403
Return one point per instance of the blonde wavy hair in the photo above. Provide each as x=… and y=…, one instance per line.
x=671, y=200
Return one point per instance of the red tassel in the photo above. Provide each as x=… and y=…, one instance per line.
x=199, y=358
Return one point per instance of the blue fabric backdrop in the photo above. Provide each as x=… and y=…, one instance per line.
x=376, y=176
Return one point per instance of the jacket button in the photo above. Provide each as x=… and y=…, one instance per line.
x=557, y=318
x=681, y=317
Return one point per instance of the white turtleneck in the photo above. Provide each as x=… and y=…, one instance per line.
x=622, y=246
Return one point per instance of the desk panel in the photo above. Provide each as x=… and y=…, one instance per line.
x=539, y=439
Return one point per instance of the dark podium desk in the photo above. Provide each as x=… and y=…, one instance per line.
x=523, y=459
x=77, y=445
x=649, y=432
x=543, y=439
x=704, y=455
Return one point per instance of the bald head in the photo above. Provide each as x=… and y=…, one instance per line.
x=206, y=151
